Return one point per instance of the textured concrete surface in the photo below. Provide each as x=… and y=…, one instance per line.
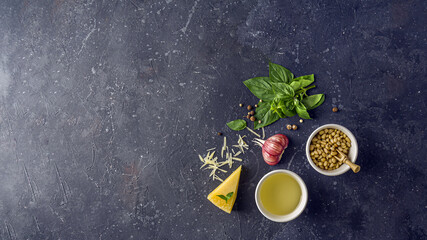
x=104, y=106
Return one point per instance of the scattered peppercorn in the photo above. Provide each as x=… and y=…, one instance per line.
x=335, y=109
x=241, y=105
x=249, y=107
x=289, y=127
x=301, y=121
x=252, y=112
x=259, y=121
x=256, y=105
x=294, y=127
x=253, y=119
x=219, y=133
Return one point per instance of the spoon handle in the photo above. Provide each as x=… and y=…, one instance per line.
x=353, y=166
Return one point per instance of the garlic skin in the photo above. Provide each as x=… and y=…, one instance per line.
x=273, y=148
x=270, y=159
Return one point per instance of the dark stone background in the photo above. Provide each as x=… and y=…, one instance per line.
x=104, y=106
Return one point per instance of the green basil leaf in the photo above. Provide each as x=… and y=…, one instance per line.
x=223, y=197
x=237, y=125
x=283, y=90
x=279, y=106
x=279, y=73
x=313, y=101
x=306, y=77
x=268, y=118
x=284, y=109
x=322, y=99
x=260, y=87
x=260, y=112
x=280, y=102
x=229, y=195
x=302, y=81
x=302, y=110
x=289, y=104
x=289, y=113
x=276, y=106
x=280, y=113
x=262, y=109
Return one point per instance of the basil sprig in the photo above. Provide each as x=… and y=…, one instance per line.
x=282, y=96
x=226, y=197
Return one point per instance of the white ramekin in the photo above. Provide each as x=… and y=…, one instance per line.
x=352, y=154
x=298, y=210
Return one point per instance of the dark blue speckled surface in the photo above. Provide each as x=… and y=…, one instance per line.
x=104, y=106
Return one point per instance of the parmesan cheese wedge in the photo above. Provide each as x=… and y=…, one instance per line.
x=230, y=184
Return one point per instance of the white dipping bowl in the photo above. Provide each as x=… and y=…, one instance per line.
x=298, y=210
x=352, y=154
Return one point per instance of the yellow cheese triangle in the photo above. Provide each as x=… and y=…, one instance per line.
x=231, y=184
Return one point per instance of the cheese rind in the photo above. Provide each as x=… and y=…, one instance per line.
x=231, y=184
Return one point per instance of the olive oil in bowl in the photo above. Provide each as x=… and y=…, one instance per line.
x=280, y=194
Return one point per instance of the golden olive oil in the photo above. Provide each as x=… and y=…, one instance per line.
x=280, y=194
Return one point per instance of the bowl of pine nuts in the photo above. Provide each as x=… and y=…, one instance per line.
x=324, y=145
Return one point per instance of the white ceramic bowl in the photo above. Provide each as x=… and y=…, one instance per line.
x=352, y=154
x=298, y=210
